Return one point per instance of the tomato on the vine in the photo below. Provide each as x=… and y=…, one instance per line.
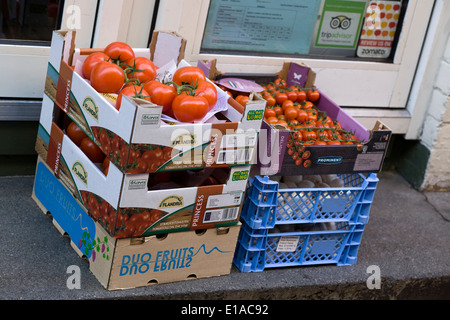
x=280, y=97
x=107, y=77
x=90, y=63
x=188, y=75
x=269, y=113
x=141, y=69
x=189, y=108
x=313, y=95
x=242, y=99
x=119, y=51
x=134, y=91
x=161, y=94
x=301, y=96
x=208, y=90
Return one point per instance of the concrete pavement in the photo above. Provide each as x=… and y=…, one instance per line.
x=407, y=238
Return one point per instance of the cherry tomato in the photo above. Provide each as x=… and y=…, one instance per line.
x=313, y=95
x=280, y=97
x=188, y=108
x=161, y=94
x=272, y=120
x=301, y=96
x=91, y=150
x=269, y=113
x=132, y=91
x=278, y=110
x=302, y=116
x=142, y=69
x=107, y=77
x=280, y=83
x=270, y=100
x=75, y=133
x=189, y=74
x=290, y=113
x=292, y=95
x=287, y=104
x=91, y=61
x=119, y=51
x=208, y=90
x=242, y=99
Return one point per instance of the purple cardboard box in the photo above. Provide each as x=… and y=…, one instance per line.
x=273, y=154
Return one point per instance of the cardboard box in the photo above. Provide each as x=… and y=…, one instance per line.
x=134, y=262
x=128, y=205
x=138, y=125
x=273, y=152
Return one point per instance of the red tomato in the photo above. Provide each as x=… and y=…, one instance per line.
x=280, y=97
x=91, y=150
x=132, y=91
x=119, y=51
x=75, y=133
x=161, y=94
x=313, y=95
x=107, y=77
x=208, y=90
x=91, y=61
x=188, y=108
x=242, y=99
x=189, y=74
x=269, y=113
x=142, y=69
x=301, y=96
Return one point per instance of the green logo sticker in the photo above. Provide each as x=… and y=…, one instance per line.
x=80, y=172
x=240, y=175
x=90, y=107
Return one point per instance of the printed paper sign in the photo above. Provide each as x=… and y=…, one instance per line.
x=284, y=26
x=379, y=29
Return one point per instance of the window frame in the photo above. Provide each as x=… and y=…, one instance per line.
x=384, y=90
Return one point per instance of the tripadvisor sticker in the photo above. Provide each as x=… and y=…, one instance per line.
x=340, y=24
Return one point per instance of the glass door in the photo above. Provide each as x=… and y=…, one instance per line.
x=25, y=35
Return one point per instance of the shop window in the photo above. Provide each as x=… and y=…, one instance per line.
x=331, y=29
x=29, y=21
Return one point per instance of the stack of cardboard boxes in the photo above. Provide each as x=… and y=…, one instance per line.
x=179, y=218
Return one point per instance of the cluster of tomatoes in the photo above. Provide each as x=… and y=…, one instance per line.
x=295, y=109
x=188, y=97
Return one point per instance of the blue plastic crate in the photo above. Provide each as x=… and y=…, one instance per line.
x=308, y=205
x=256, y=252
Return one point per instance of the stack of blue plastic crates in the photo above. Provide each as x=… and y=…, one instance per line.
x=298, y=226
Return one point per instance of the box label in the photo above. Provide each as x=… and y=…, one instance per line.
x=223, y=200
x=287, y=244
x=220, y=215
